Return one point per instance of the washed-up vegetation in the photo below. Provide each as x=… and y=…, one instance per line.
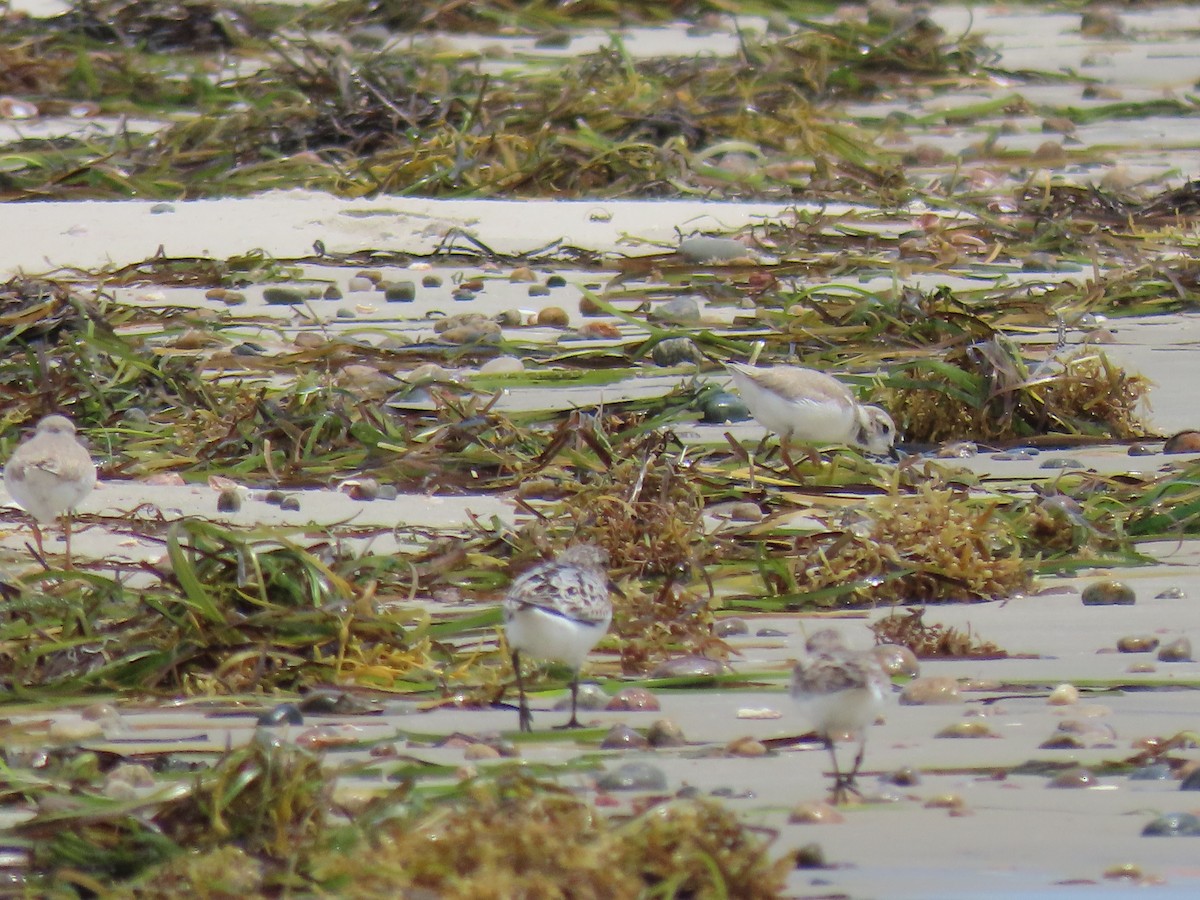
x=930, y=291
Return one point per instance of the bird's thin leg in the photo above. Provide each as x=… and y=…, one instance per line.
x=839, y=781
x=858, y=760
x=67, y=537
x=37, y=537
x=573, y=722
x=524, y=716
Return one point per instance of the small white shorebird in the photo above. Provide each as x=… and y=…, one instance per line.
x=559, y=611
x=806, y=405
x=841, y=692
x=49, y=475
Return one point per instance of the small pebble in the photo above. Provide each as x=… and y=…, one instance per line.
x=1124, y=871
x=633, y=699
x=290, y=503
x=674, y=351
x=680, y=311
x=556, y=281
x=1137, y=643
x=945, y=801
x=331, y=292
x=462, y=295
x=746, y=746
x=906, y=776
x=283, y=296
x=399, y=291
x=810, y=856
x=602, y=331
x=622, y=737
x=358, y=284
x=1171, y=593
x=1076, y=777
x=1141, y=450
x=553, y=317
x=522, y=274
x=431, y=281
x=745, y=512
x=633, y=776
x=1154, y=772
x=930, y=690
x=1061, y=463
x=1183, y=442
x=722, y=406
x=665, y=733
x=730, y=627
x=281, y=714
x=1141, y=668
x=815, y=813
x=1108, y=593
x=1173, y=825
x=770, y=632
x=689, y=667
x=229, y=501
x=703, y=248
x=591, y=697
x=502, y=365
x=1178, y=650
x=365, y=489
x=974, y=729
x=896, y=659
x=538, y=290
x=1063, y=695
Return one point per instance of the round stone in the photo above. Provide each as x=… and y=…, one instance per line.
x=622, y=737
x=1063, y=695
x=665, y=733
x=1173, y=825
x=730, y=627
x=689, y=667
x=1075, y=777
x=1178, y=650
x=722, y=406
x=633, y=776
x=930, y=690
x=674, y=352
x=633, y=699
x=896, y=659
x=282, y=714
x=1108, y=593
x=553, y=317
x=1137, y=643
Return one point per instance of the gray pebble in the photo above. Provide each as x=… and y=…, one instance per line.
x=633, y=776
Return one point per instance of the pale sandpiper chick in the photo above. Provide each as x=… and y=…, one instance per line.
x=49, y=475
x=841, y=692
x=558, y=611
x=805, y=405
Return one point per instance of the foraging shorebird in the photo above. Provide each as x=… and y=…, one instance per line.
x=841, y=692
x=558, y=611
x=806, y=405
x=49, y=475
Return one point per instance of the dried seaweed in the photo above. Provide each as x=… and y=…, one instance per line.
x=936, y=641
x=928, y=547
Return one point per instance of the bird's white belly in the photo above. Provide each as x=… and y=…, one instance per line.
x=825, y=421
x=548, y=636
x=848, y=711
x=45, y=495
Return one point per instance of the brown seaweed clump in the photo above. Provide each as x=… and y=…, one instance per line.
x=932, y=546
x=933, y=641
x=986, y=392
x=521, y=838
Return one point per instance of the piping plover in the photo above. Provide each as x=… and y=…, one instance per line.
x=49, y=475
x=806, y=405
x=841, y=692
x=559, y=611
